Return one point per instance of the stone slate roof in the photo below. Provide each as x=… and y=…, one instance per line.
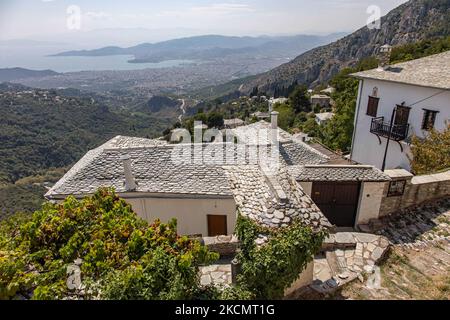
x=299, y=153
x=124, y=142
x=231, y=122
x=256, y=200
x=432, y=71
x=338, y=173
x=155, y=172
x=152, y=168
x=259, y=133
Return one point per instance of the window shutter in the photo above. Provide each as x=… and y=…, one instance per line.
x=402, y=115
x=372, y=107
x=429, y=118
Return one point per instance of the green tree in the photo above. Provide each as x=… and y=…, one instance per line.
x=299, y=99
x=337, y=133
x=432, y=154
x=215, y=120
x=122, y=256
x=310, y=127
x=286, y=116
x=420, y=49
x=270, y=269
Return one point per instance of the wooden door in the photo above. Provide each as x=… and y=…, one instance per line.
x=402, y=115
x=217, y=225
x=337, y=201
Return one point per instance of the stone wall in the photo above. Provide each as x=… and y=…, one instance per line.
x=226, y=246
x=304, y=279
x=418, y=189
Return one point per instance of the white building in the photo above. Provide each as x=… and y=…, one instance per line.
x=323, y=118
x=274, y=101
x=415, y=95
x=329, y=90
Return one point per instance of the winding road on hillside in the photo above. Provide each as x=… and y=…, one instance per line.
x=183, y=110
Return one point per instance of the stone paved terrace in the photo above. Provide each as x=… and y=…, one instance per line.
x=419, y=225
x=216, y=274
x=418, y=266
x=351, y=254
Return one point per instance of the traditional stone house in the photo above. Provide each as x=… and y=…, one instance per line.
x=233, y=123
x=322, y=100
x=260, y=115
x=204, y=196
x=400, y=101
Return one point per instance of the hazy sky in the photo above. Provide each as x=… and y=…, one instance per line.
x=44, y=19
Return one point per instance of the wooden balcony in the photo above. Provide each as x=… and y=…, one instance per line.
x=382, y=128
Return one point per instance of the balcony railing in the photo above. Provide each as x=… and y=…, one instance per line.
x=381, y=128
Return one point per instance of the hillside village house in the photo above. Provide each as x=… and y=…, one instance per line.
x=322, y=100
x=328, y=91
x=274, y=101
x=233, y=123
x=205, y=197
x=410, y=98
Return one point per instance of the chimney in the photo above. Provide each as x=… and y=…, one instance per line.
x=384, y=57
x=130, y=184
x=274, y=119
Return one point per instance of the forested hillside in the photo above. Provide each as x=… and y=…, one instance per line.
x=43, y=129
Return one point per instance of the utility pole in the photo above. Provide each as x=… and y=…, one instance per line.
x=383, y=167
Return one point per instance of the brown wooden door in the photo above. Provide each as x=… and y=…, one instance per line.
x=402, y=115
x=337, y=201
x=217, y=225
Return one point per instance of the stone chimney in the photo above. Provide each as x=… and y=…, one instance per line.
x=130, y=183
x=274, y=119
x=384, y=57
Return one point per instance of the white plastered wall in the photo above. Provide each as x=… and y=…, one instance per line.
x=191, y=214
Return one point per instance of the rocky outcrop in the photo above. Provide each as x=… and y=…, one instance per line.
x=413, y=21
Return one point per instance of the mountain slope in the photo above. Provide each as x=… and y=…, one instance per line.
x=11, y=74
x=413, y=21
x=212, y=46
x=43, y=129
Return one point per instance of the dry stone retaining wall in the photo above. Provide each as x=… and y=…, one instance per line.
x=418, y=189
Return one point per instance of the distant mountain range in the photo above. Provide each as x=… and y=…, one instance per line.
x=11, y=74
x=413, y=21
x=213, y=47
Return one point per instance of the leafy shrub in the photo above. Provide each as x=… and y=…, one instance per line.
x=122, y=256
x=432, y=154
x=270, y=269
